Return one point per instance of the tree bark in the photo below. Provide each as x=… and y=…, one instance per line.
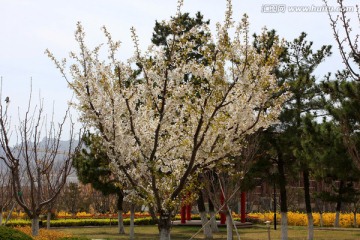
x=213, y=223
x=308, y=204
x=1, y=216
x=229, y=226
x=337, y=219
x=132, y=219
x=204, y=220
x=355, y=220
x=283, y=196
x=206, y=225
x=121, y=222
x=164, y=225
x=48, y=218
x=120, y=212
x=321, y=220
x=35, y=226
x=310, y=226
x=284, y=226
x=338, y=205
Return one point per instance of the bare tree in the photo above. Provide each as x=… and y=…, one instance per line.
x=38, y=165
x=5, y=191
x=347, y=41
x=223, y=186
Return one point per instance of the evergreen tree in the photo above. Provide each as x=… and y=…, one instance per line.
x=93, y=167
x=298, y=74
x=282, y=141
x=324, y=149
x=344, y=107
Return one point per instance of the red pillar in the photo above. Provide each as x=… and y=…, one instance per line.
x=183, y=214
x=188, y=212
x=222, y=214
x=243, y=201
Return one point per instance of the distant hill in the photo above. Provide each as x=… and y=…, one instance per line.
x=62, y=152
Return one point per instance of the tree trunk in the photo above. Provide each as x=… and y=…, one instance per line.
x=1, y=216
x=321, y=220
x=337, y=219
x=48, y=218
x=338, y=205
x=121, y=222
x=355, y=220
x=35, y=226
x=206, y=225
x=204, y=220
x=120, y=212
x=132, y=218
x=164, y=225
x=229, y=226
x=310, y=226
x=283, y=196
x=284, y=226
x=213, y=223
x=308, y=204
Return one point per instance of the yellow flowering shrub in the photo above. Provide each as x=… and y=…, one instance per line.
x=18, y=214
x=83, y=214
x=300, y=219
x=64, y=214
x=15, y=214
x=44, y=234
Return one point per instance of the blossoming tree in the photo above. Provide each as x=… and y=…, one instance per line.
x=165, y=116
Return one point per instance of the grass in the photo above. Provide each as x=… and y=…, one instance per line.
x=185, y=232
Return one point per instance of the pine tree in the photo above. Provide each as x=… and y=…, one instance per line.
x=93, y=167
x=298, y=63
x=325, y=151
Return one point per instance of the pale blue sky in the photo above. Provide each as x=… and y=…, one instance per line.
x=28, y=27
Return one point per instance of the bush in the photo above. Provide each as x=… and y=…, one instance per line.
x=97, y=222
x=18, y=223
x=7, y=233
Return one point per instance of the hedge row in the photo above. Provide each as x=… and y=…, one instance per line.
x=82, y=222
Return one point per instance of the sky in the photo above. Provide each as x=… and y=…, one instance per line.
x=28, y=27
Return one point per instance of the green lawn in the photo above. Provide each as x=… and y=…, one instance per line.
x=181, y=232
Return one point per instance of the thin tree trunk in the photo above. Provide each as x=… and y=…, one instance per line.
x=164, y=226
x=321, y=219
x=213, y=223
x=229, y=226
x=132, y=218
x=310, y=226
x=121, y=222
x=120, y=212
x=320, y=209
x=355, y=220
x=338, y=205
x=337, y=219
x=35, y=226
x=283, y=196
x=204, y=220
x=1, y=216
x=308, y=204
x=48, y=218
